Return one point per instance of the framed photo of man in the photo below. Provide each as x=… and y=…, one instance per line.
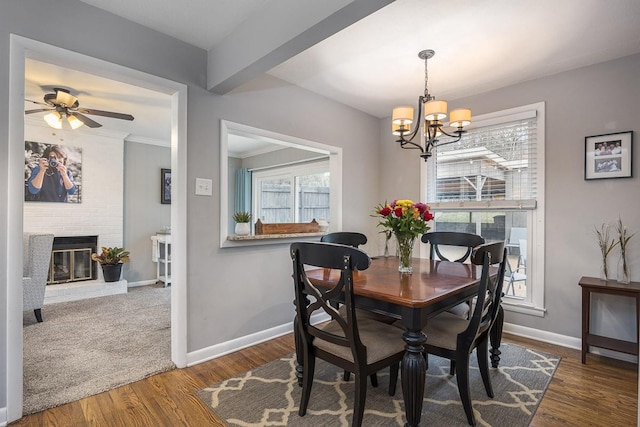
x=52, y=173
x=608, y=156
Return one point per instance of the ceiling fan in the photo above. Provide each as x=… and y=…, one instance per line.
x=63, y=104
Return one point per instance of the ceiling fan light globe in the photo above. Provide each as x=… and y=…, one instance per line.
x=54, y=120
x=74, y=122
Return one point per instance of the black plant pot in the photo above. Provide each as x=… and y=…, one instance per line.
x=112, y=272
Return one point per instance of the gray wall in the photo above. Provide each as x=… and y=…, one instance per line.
x=144, y=215
x=594, y=100
x=230, y=292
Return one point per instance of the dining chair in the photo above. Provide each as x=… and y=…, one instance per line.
x=359, y=345
x=453, y=241
x=345, y=238
x=355, y=239
x=454, y=338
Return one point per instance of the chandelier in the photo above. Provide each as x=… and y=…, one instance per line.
x=435, y=111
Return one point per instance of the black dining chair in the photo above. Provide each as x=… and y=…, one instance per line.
x=345, y=238
x=454, y=338
x=359, y=345
x=439, y=240
x=355, y=239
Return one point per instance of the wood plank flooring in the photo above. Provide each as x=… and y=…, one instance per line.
x=601, y=393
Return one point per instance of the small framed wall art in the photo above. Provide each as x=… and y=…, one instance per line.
x=165, y=186
x=608, y=156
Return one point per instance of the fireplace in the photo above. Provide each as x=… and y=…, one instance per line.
x=71, y=259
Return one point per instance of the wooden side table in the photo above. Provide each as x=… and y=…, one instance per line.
x=593, y=285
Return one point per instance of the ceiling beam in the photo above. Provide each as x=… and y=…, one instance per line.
x=279, y=31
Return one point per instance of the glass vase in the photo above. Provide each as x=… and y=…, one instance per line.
x=405, y=250
x=623, y=269
x=604, y=269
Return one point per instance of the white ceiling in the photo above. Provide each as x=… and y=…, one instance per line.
x=372, y=65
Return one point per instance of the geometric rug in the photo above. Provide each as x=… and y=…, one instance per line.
x=269, y=395
x=89, y=346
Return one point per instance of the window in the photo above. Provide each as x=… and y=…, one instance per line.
x=491, y=183
x=297, y=193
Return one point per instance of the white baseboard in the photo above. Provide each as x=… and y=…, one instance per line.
x=224, y=348
x=142, y=283
x=227, y=347
x=3, y=417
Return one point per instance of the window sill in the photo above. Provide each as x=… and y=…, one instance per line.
x=268, y=239
x=520, y=307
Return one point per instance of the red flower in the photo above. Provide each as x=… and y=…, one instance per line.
x=385, y=211
x=398, y=211
x=427, y=216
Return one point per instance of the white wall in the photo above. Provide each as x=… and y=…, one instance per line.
x=144, y=215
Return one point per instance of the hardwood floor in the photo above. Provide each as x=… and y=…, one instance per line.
x=601, y=393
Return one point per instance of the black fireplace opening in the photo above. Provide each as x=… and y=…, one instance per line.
x=71, y=259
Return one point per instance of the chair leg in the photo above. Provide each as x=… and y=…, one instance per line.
x=482, y=352
x=462, y=377
x=38, y=313
x=359, y=399
x=452, y=367
x=374, y=380
x=307, y=382
x=393, y=378
x=346, y=375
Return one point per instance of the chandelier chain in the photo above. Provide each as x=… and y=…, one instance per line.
x=426, y=81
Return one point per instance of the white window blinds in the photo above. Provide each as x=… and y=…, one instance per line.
x=493, y=166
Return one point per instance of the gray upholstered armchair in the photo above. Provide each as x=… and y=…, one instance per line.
x=36, y=258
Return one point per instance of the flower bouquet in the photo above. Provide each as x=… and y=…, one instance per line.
x=406, y=220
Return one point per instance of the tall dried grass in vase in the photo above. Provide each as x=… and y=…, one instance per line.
x=623, y=241
x=606, y=245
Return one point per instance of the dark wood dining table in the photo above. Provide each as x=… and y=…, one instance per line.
x=433, y=287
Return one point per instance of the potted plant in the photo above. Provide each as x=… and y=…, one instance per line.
x=243, y=228
x=111, y=260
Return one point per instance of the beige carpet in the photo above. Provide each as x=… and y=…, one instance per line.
x=269, y=395
x=86, y=347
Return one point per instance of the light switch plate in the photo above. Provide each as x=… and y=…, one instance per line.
x=204, y=187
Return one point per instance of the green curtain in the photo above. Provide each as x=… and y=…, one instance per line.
x=243, y=190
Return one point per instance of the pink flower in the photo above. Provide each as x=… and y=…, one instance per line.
x=422, y=208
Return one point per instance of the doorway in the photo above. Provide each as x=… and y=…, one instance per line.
x=22, y=48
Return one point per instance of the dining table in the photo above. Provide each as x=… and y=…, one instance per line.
x=412, y=299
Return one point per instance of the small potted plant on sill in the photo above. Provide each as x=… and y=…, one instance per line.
x=242, y=219
x=111, y=260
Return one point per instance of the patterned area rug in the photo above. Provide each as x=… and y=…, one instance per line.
x=269, y=395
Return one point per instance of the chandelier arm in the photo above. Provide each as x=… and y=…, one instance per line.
x=409, y=141
x=458, y=134
x=412, y=145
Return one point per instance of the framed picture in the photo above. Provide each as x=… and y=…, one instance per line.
x=165, y=186
x=608, y=156
x=52, y=173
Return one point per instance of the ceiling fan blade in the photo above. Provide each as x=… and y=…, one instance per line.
x=86, y=120
x=105, y=114
x=38, y=110
x=37, y=102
